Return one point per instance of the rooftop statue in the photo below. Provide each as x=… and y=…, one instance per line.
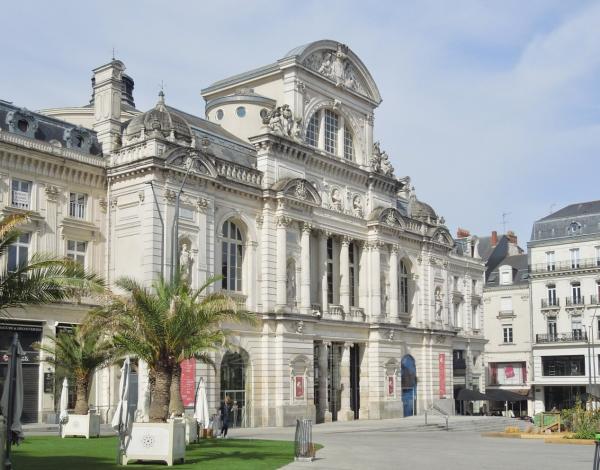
x=281, y=121
x=380, y=161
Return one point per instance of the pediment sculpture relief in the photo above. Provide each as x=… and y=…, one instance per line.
x=336, y=66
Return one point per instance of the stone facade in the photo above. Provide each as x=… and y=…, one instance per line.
x=283, y=190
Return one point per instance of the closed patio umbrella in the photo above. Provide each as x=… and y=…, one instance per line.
x=63, y=414
x=120, y=420
x=201, y=405
x=12, y=398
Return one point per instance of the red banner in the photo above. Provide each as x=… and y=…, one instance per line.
x=299, y=386
x=390, y=385
x=187, y=385
x=442, y=374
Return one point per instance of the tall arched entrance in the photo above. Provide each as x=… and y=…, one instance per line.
x=409, y=385
x=233, y=384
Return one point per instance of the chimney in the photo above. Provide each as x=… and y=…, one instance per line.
x=108, y=86
x=494, y=238
x=462, y=233
x=512, y=237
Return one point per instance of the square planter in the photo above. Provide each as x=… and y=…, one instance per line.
x=82, y=425
x=191, y=430
x=156, y=442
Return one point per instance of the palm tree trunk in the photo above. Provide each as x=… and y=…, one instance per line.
x=81, y=391
x=159, y=406
x=176, y=404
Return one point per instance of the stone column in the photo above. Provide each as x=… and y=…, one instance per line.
x=323, y=271
x=375, y=275
x=305, y=306
x=345, y=274
x=323, y=381
x=345, y=413
x=281, y=270
x=394, y=283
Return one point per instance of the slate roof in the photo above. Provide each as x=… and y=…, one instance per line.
x=571, y=221
x=49, y=129
x=520, y=267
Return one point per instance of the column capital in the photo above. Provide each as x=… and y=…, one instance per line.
x=346, y=240
x=348, y=345
x=305, y=227
x=326, y=233
x=374, y=245
x=326, y=343
x=394, y=249
x=283, y=221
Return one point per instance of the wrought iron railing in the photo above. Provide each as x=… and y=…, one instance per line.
x=550, y=303
x=572, y=337
x=574, y=301
x=569, y=265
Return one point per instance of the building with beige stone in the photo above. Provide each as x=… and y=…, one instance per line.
x=284, y=190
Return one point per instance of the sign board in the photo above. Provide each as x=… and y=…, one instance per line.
x=48, y=382
x=442, y=374
x=187, y=386
x=20, y=197
x=299, y=386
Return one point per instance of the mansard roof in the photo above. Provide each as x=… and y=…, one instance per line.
x=58, y=133
x=571, y=221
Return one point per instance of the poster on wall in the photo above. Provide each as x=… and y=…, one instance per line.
x=442, y=374
x=390, y=385
x=188, y=382
x=299, y=386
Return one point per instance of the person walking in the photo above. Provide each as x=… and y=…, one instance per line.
x=225, y=416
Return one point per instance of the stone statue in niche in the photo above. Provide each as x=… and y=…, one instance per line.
x=380, y=161
x=185, y=262
x=290, y=283
x=357, y=207
x=281, y=121
x=336, y=199
x=438, y=304
x=384, y=294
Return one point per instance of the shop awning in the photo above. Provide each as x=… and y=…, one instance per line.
x=504, y=395
x=464, y=394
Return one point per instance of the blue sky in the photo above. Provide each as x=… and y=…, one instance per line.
x=490, y=107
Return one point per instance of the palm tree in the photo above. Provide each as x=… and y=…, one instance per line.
x=79, y=353
x=44, y=278
x=165, y=325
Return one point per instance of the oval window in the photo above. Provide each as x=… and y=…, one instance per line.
x=220, y=114
x=241, y=111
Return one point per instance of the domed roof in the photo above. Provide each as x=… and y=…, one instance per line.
x=160, y=119
x=422, y=211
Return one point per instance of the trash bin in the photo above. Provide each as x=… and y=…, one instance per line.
x=303, y=444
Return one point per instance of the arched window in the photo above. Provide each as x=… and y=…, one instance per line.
x=231, y=261
x=337, y=137
x=312, y=130
x=403, y=288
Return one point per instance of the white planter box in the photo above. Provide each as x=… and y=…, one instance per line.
x=191, y=430
x=156, y=441
x=82, y=425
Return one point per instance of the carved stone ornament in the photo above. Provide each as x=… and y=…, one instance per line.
x=379, y=161
x=170, y=195
x=22, y=121
x=390, y=219
x=281, y=121
x=391, y=335
x=202, y=203
x=336, y=199
x=357, y=206
x=300, y=191
x=335, y=65
x=440, y=339
x=299, y=327
x=52, y=192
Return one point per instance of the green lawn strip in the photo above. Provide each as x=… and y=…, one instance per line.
x=53, y=453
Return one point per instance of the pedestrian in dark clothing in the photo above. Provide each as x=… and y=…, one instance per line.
x=225, y=416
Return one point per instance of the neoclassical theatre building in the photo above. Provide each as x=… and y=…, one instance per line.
x=368, y=307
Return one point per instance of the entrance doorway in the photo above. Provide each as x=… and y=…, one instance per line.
x=355, y=379
x=233, y=385
x=409, y=385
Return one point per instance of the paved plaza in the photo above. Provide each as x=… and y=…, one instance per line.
x=399, y=444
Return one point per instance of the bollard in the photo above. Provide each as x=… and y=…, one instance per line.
x=304, y=448
x=597, y=453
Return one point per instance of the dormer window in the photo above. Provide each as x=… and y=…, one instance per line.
x=506, y=275
x=328, y=131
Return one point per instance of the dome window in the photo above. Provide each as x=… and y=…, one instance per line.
x=240, y=111
x=220, y=114
x=23, y=125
